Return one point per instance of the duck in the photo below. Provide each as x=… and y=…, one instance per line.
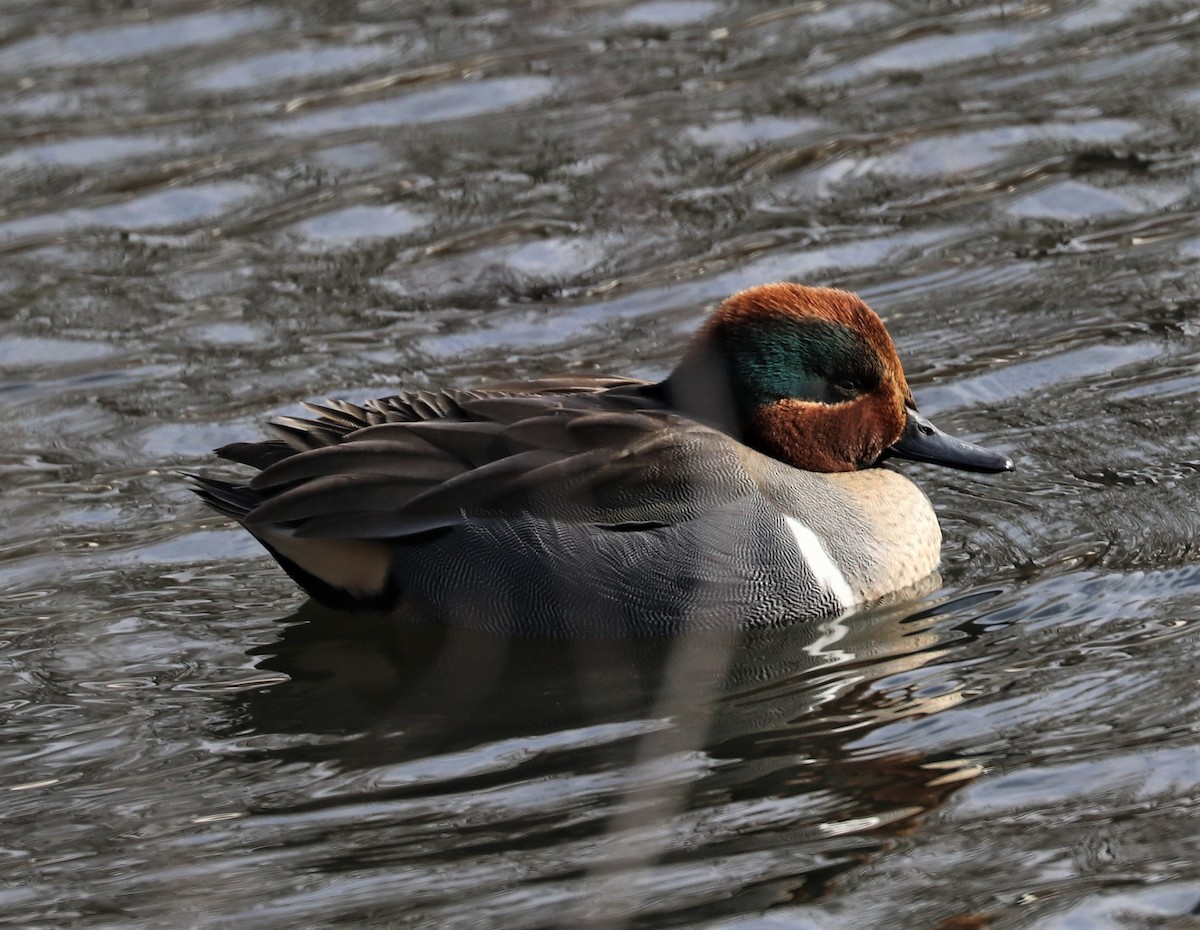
x=753, y=486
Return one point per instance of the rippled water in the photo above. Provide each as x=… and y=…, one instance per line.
x=210, y=213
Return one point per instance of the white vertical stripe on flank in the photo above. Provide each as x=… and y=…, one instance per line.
x=828, y=575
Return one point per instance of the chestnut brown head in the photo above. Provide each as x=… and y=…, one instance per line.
x=808, y=375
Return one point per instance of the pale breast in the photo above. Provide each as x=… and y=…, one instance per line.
x=865, y=534
x=902, y=541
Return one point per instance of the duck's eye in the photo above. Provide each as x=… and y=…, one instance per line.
x=847, y=386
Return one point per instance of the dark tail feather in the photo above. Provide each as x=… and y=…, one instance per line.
x=258, y=455
x=233, y=500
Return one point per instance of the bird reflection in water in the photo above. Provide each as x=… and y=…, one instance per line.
x=625, y=761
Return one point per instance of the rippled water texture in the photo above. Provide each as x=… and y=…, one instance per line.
x=209, y=213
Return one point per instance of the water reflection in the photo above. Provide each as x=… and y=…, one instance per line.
x=453, y=101
x=624, y=765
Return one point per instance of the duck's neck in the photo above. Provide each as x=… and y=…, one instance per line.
x=700, y=388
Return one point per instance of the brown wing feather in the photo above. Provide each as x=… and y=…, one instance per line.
x=561, y=448
x=365, y=457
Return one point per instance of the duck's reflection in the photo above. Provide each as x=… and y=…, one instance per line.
x=651, y=753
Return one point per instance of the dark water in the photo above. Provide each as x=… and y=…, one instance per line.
x=210, y=212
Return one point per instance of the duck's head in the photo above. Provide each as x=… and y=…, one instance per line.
x=809, y=375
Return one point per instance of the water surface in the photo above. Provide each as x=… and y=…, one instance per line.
x=212, y=212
